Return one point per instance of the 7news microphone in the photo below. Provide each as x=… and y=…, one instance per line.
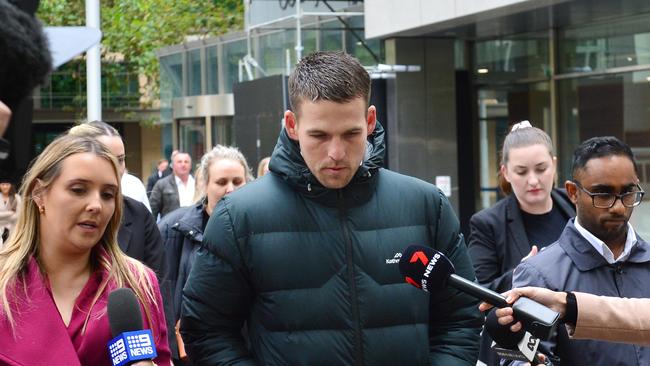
x=429, y=270
x=131, y=343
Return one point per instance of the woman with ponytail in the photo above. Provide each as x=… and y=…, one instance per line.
x=532, y=215
x=62, y=260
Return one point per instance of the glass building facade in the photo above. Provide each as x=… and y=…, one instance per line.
x=574, y=82
x=213, y=66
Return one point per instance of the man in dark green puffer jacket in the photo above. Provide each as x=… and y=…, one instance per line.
x=306, y=257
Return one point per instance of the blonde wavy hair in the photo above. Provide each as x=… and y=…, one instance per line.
x=24, y=241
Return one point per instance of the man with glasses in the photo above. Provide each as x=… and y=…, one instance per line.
x=598, y=251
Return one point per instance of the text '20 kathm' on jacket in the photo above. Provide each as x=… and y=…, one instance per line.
x=314, y=272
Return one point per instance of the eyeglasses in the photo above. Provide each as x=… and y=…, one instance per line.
x=607, y=200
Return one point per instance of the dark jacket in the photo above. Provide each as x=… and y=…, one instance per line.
x=573, y=264
x=139, y=238
x=498, y=242
x=182, y=233
x=164, y=196
x=153, y=179
x=312, y=272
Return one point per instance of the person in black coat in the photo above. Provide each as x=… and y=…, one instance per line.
x=223, y=170
x=161, y=172
x=139, y=237
x=530, y=218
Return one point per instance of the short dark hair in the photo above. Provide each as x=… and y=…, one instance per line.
x=598, y=147
x=331, y=76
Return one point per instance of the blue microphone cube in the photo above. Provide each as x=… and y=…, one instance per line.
x=132, y=346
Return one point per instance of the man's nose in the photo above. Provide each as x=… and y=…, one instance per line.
x=336, y=150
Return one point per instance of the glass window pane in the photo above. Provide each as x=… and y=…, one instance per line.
x=222, y=131
x=613, y=105
x=194, y=64
x=356, y=45
x=275, y=47
x=232, y=53
x=212, y=69
x=331, y=36
x=191, y=138
x=512, y=58
x=597, y=47
x=171, y=75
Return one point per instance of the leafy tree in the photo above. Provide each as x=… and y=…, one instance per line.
x=135, y=28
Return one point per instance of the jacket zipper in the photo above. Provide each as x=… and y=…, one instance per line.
x=358, y=346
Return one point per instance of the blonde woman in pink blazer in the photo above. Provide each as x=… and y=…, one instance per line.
x=588, y=316
x=62, y=260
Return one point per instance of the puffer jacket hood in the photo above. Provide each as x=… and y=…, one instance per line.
x=288, y=163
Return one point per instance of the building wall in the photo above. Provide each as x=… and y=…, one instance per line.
x=390, y=17
x=150, y=139
x=422, y=110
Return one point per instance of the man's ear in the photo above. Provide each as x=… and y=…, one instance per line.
x=571, y=191
x=291, y=124
x=371, y=119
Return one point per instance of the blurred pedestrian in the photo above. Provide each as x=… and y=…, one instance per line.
x=9, y=208
x=222, y=170
x=263, y=166
x=175, y=190
x=161, y=172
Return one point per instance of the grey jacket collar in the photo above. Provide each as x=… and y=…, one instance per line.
x=584, y=255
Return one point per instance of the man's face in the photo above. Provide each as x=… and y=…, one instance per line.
x=182, y=163
x=162, y=166
x=609, y=174
x=332, y=137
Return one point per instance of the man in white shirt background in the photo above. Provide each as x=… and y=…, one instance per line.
x=175, y=190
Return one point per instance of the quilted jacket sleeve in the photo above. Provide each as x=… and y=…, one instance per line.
x=455, y=321
x=217, y=298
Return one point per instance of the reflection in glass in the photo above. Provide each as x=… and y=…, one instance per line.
x=516, y=57
x=616, y=105
x=212, y=70
x=596, y=47
x=222, y=131
x=194, y=64
x=191, y=137
x=232, y=53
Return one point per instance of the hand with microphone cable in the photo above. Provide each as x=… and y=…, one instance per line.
x=131, y=344
x=429, y=270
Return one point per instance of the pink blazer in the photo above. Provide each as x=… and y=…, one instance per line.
x=612, y=319
x=41, y=337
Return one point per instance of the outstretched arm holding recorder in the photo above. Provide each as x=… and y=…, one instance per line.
x=587, y=316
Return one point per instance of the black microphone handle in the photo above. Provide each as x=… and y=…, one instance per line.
x=477, y=291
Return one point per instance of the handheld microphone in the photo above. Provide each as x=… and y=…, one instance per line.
x=131, y=343
x=428, y=269
x=518, y=346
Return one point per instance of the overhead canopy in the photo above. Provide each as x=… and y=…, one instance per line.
x=68, y=42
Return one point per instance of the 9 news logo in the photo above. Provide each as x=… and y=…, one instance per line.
x=132, y=346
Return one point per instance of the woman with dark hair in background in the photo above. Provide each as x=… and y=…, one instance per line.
x=530, y=217
x=9, y=208
x=222, y=170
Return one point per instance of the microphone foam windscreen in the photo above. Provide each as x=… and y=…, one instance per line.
x=124, y=311
x=502, y=334
x=425, y=267
x=25, y=58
